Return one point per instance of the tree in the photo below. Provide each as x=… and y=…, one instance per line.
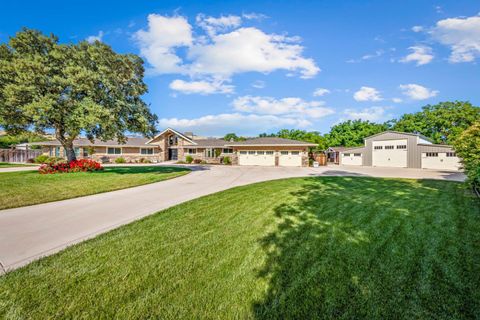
x=352, y=132
x=230, y=137
x=467, y=147
x=71, y=89
x=442, y=122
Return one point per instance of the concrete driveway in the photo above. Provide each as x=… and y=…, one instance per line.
x=29, y=233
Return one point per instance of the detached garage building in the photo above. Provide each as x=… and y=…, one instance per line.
x=401, y=150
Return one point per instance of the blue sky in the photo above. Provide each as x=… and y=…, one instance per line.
x=259, y=66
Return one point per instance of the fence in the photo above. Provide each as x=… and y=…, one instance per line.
x=18, y=155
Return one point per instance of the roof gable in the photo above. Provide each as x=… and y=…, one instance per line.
x=172, y=131
x=400, y=133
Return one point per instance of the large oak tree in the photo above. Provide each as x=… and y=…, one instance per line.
x=73, y=89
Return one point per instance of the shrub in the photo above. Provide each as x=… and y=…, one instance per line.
x=143, y=160
x=41, y=158
x=467, y=147
x=197, y=161
x=218, y=152
x=188, y=159
x=82, y=165
x=203, y=162
x=227, y=161
x=120, y=160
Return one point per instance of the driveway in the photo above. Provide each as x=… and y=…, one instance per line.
x=29, y=233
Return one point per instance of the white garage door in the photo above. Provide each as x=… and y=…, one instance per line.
x=440, y=161
x=389, y=153
x=256, y=158
x=290, y=159
x=352, y=159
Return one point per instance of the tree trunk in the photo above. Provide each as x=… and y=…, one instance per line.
x=70, y=152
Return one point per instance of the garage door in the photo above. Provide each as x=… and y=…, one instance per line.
x=440, y=161
x=290, y=159
x=352, y=159
x=389, y=153
x=256, y=158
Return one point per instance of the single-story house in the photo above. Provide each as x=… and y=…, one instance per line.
x=401, y=150
x=171, y=144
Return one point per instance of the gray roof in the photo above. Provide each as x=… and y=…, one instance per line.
x=270, y=141
x=399, y=132
x=209, y=143
x=131, y=142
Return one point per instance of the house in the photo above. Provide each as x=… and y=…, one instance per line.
x=171, y=144
x=401, y=150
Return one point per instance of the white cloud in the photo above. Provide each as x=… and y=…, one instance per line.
x=98, y=37
x=254, y=16
x=259, y=84
x=397, y=100
x=320, y=92
x=417, y=28
x=169, y=46
x=417, y=92
x=201, y=87
x=462, y=35
x=158, y=43
x=420, y=54
x=369, y=56
x=243, y=124
x=367, y=94
x=374, y=114
x=285, y=106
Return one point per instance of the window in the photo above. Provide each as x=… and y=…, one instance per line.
x=432, y=154
x=378, y=148
x=357, y=154
x=146, y=151
x=346, y=154
x=389, y=147
x=295, y=153
x=57, y=152
x=85, y=152
x=451, y=154
x=260, y=152
x=114, y=150
x=284, y=153
x=243, y=152
x=269, y=152
x=251, y=152
x=402, y=146
x=191, y=151
x=227, y=150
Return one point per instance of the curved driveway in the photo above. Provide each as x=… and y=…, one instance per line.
x=29, y=233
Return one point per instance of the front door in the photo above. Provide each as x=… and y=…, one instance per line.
x=172, y=154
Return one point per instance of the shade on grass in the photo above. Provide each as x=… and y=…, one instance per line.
x=13, y=165
x=29, y=187
x=330, y=247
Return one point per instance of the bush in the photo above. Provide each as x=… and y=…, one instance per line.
x=120, y=160
x=82, y=165
x=227, y=161
x=42, y=158
x=203, y=162
x=188, y=159
x=467, y=147
x=218, y=152
x=143, y=160
x=197, y=161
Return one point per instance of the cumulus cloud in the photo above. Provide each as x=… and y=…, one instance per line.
x=201, y=87
x=367, y=94
x=320, y=92
x=419, y=54
x=417, y=28
x=397, y=100
x=98, y=37
x=417, y=92
x=170, y=46
x=462, y=35
x=284, y=106
x=243, y=124
x=374, y=114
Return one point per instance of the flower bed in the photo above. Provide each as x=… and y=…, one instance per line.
x=82, y=165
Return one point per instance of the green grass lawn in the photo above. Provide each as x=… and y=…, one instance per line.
x=29, y=187
x=330, y=247
x=12, y=165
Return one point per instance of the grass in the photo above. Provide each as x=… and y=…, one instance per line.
x=24, y=188
x=13, y=165
x=303, y=248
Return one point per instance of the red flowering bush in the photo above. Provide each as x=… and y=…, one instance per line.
x=82, y=165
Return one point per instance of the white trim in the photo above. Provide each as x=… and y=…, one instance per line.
x=147, y=148
x=174, y=131
x=271, y=145
x=114, y=154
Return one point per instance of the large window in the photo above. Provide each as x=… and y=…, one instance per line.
x=111, y=150
x=57, y=152
x=146, y=151
x=85, y=152
x=227, y=151
x=77, y=152
x=191, y=151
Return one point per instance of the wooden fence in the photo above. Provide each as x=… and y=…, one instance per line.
x=18, y=155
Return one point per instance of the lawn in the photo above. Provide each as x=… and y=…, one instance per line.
x=329, y=247
x=13, y=165
x=29, y=187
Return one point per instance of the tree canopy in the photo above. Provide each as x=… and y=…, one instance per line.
x=233, y=137
x=72, y=89
x=467, y=147
x=352, y=132
x=442, y=122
